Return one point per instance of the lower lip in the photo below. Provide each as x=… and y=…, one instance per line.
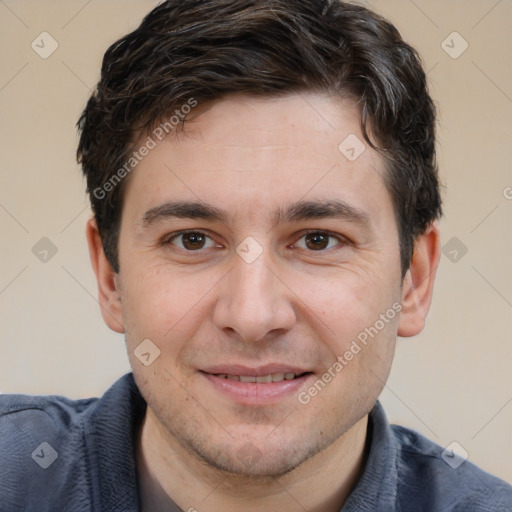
x=256, y=392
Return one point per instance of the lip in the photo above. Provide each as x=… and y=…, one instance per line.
x=244, y=393
x=261, y=371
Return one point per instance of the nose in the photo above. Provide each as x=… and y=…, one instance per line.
x=254, y=304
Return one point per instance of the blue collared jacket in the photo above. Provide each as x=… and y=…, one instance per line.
x=62, y=455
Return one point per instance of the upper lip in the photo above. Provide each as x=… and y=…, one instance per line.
x=260, y=371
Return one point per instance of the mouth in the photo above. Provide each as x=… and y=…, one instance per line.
x=262, y=379
x=256, y=386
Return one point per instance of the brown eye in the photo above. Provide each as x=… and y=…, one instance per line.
x=318, y=241
x=191, y=241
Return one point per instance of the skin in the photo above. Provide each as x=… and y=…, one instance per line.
x=301, y=302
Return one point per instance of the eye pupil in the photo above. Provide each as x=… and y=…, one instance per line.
x=317, y=240
x=193, y=240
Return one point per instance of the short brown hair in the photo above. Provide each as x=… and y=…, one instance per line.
x=209, y=49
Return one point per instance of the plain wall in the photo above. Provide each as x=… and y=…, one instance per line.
x=452, y=383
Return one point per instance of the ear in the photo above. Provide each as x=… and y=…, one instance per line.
x=418, y=283
x=107, y=279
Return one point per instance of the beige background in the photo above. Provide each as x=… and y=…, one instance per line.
x=452, y=383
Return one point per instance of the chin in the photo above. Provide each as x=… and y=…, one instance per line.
x=267, y=467
x=261, y=460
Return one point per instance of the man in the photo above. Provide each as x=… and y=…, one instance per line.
x=265, y=197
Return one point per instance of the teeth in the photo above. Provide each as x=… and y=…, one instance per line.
x=276, y=377
x=244, y=378
x=266, y=378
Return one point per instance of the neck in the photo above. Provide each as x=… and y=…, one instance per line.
x=171, y=475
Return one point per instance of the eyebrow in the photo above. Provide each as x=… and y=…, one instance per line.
x=295, y=212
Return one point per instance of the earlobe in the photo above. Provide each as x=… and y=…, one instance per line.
x=418, y=283
x=108, y=281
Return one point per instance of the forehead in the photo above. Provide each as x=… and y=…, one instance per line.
x=293, y=126
x=244, y=150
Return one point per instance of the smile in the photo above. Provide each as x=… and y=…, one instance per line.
x=275, y=377
x=251, y=386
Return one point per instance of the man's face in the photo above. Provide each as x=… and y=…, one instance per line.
x=253, y=293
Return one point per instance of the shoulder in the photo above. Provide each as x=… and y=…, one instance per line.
x=27, y=417
x=11, y=404
x=57, y=453
x=38, y=435
x=450, y=481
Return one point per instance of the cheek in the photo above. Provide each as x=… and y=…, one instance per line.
x=348, y=301
x=359, y=313
x=164, y=305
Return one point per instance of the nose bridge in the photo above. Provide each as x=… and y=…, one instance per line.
x=254, y=281
x=252, y=301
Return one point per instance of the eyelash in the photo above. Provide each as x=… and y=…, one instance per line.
x=342, y=241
